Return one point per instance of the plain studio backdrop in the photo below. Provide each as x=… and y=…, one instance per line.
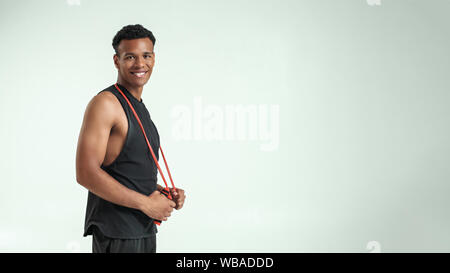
x=293, y=126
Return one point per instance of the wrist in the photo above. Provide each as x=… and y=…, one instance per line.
x=141, y=201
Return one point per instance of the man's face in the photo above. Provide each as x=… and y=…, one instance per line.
x=135, y=61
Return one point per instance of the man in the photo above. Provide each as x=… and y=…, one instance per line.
x=113, y=160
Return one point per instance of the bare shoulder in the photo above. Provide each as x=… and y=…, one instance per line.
x=105, y=98
x=99, y=118
x=103, y=107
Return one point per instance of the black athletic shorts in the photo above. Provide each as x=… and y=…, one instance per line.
x=104, y=244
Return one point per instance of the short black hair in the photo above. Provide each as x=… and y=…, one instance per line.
x=131, y=32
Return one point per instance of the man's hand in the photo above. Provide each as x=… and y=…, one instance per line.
x=178, y=197
x=157, y=206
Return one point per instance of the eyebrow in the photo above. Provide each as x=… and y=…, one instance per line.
x=129, y=53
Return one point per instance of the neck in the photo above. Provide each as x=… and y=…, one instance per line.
x=135, y=91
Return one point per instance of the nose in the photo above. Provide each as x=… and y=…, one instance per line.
x=139, y=62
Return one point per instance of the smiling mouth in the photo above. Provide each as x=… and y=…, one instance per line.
x=139, y=74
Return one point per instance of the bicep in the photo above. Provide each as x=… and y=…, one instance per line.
x=94, y=134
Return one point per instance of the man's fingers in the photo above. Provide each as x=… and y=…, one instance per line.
x=179, y=206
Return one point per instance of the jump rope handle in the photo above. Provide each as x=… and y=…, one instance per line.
x=167, y=194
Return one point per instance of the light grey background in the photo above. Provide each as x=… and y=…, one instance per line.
x=363, y=130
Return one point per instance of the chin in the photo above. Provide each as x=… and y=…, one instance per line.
x=139, y=83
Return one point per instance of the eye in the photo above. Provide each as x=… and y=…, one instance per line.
x=129, y=57
x=147, y=56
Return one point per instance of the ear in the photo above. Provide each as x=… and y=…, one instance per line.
x=116, y=61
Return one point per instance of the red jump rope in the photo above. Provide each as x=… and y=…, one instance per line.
x=164, y=191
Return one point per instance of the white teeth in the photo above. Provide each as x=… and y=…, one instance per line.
x=139, y=74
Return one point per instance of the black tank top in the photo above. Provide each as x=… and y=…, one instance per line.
x=134, y=168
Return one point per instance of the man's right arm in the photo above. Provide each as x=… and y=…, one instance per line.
x=99, y=118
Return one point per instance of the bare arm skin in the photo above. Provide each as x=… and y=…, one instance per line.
x=100, y=117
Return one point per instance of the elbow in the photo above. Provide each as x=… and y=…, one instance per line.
x=87, y=171
x=82, y=175
x=80, y=178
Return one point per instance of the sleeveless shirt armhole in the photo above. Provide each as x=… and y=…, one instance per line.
x=128, y=131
